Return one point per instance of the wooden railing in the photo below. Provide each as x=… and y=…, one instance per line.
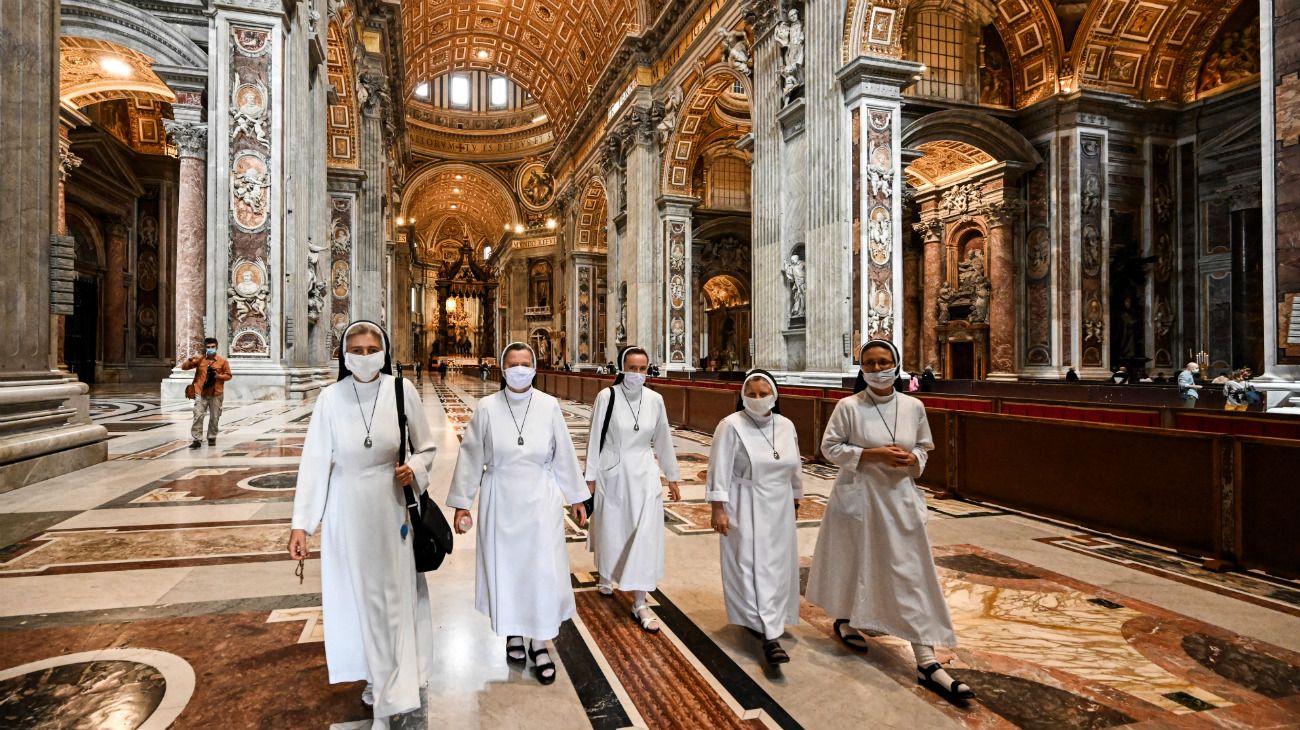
x=1222, y=486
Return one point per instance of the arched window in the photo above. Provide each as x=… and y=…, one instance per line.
x=727, y=181
x=943, y=42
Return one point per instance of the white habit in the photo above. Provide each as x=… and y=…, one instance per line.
x=627, y=530
x=378, y=624
x=522, y=579
x=760, y=554
x=873, y=564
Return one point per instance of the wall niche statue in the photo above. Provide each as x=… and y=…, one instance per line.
x=969, y=300
x=794, y=272
x=788, y=34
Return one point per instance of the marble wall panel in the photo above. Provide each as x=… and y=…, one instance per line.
x=856, y=291
x=148, y=265
x=1164, y=272
x=249, y=287
x=1093, y=251
x=1037, y=266
x=678, y=247
x=586, y=309
x=879, y=222
x=342, y=218
x=1064, y=175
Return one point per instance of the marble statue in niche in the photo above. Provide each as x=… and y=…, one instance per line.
x=248, y=290
x=316, y=286
x=969, y=300
x=789, y=36
x=794, y=274
x=947, y=295
x=734, y=52
x=620, y=333
x=672, y=105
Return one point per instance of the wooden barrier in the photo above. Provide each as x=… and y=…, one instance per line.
x=1231, y=499
x=1267, y=495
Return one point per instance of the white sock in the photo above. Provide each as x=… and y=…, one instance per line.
x=925, y=657
x=539, y=645
x=638, y=600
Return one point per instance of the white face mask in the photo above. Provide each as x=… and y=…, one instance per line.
x=364, y=367
x=759, y=406
x=520, y=376
x=634, y=381
x=882, y=379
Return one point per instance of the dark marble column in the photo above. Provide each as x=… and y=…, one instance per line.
x=931, y=232
x=1002, y=281
x=115, y=320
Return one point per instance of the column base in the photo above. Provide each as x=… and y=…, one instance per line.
x=45, y=430
x=258, y=381
x=1001, y=377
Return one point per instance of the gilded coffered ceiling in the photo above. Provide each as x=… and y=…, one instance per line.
x=470, y=193
x=554, y=48
x=92, y=71
x=945, y=160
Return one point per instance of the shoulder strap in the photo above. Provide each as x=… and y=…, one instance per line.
x=401, y=419
x=609, y=415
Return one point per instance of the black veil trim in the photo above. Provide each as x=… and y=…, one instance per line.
x=622, y=360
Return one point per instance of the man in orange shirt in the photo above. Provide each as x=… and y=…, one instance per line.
x=210, y=376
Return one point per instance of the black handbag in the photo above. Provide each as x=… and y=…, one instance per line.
x=431, y=537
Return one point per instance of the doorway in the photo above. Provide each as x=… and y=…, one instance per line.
x=79, y=334
x=961, y=360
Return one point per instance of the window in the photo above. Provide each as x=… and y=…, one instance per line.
x=728, y=183
x=422, y=91
x=939, y=42
x=487, y=252
x=459, y=90
x=498, y=92
x=738, y=88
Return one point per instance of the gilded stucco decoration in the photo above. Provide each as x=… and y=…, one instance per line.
x=92, y=71
x=473, y=194
x=556, y=51
x=685, y=142
x=342, y=113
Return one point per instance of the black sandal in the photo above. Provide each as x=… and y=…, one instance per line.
x=852, y=639
x=542, y=670
x=954, y=692
x=522, y=648
x=773, y=652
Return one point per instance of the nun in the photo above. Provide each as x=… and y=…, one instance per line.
x=350, y=485
x=517, y=457
x=629, y=429
x=754, y=486
x=872, y=569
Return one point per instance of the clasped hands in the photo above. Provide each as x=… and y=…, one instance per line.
x=892, y=455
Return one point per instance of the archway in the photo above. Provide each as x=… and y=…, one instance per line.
x=727, y=325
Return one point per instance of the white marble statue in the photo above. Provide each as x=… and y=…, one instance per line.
x=734, y=51
x=669, y=122
x=794, y=274
x=316, y=284
x=248, y=187
x=789, y=36
x=248, y=296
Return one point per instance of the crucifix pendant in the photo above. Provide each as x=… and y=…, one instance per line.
x=776, y=455
x=369, y=443
x=521, y=440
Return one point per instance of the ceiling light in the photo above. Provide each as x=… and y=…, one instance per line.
x=460, y=177
x=483, y=54
x=550, y=223
x=519, y=228
x=456, y=191
x=539, y=119
x=453, y=206
x=115, y=66
x=507, y=227
x=412, y=221
x=401, y=221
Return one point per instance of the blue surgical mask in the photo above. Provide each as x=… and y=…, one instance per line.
x=212, y=350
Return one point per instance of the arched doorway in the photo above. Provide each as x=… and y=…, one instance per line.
x=727, y=325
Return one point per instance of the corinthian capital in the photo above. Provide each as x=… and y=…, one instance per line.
x=931, y=229
x=67, y=162
x=191, y=139
x=1002, y=212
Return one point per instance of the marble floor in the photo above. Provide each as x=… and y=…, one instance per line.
x=153, y=591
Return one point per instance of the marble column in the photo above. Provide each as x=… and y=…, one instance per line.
x=117, y=247
x=1000, y=218
x=646, y=313
x=1280, y=140
x=913, y=285
x=45, y=429
x=191, y=141
x=678, y=331
x=768, y=172
x=873, y=90
x=931, y=231
x=369, y=236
